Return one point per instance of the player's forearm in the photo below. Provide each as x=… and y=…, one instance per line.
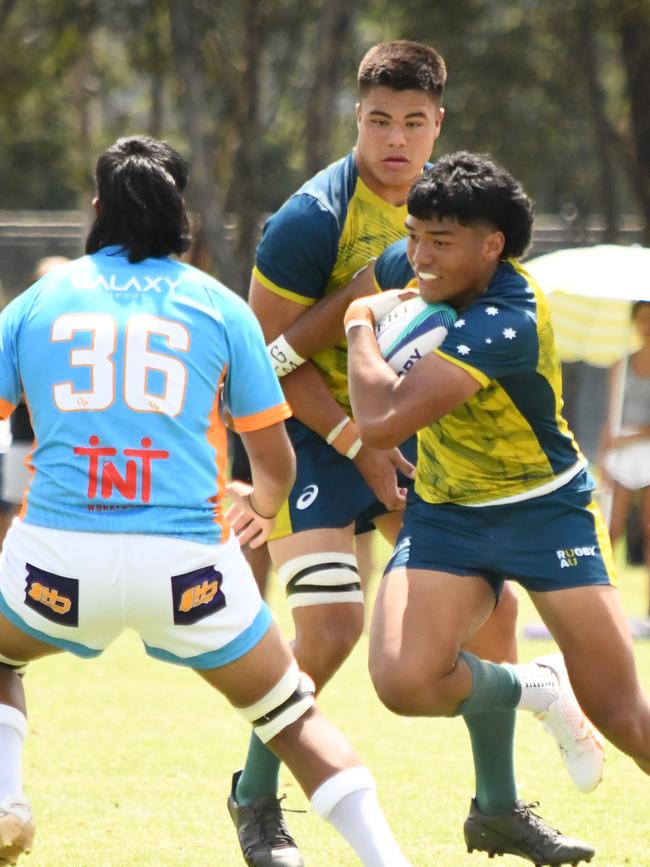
x=311, y=401
x=322, y=325
x=372, y=384
x=273, y=466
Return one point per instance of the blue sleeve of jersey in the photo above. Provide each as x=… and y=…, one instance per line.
x=10, y=321
x=299, y=247
x=392, y=268
x=251, y=387
x=497, y=341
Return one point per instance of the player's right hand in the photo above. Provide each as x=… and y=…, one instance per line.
x=375, y=307
x=248, y=525
x=379, y=469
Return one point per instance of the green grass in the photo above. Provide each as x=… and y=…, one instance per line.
x=128, y=762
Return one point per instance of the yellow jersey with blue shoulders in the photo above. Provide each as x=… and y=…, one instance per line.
x=318, y=240
x=509, y=441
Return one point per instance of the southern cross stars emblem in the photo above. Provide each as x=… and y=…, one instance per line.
x=463, y=349
x=459, y=323
x=491, y=311
x=509, y=333
x=488, y=340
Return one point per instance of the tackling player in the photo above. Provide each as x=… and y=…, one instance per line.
x=126, y=357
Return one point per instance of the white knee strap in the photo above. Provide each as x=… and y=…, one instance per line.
x=19, y=667
x=290, y=698
x=319, y=579
x=11, y=716
x=335, y=788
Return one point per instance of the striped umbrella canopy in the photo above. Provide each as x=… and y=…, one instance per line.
x=591, y=290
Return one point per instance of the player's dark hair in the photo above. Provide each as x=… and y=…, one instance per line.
x=403, y=65
x=638, y=305
x=472, y=188
x=140, y=183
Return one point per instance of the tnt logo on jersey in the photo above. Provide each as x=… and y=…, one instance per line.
x=569, y=556
x=197, y=595
x=104, y=477
x=52, y=596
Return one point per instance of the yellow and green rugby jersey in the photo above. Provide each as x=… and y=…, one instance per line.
x=318, y=240
x=509, y=441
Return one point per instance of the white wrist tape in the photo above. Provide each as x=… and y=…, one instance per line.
x=363, y=322
x=284, y=357
x=336, y=430
x=353, y=451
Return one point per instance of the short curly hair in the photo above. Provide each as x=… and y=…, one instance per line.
x=472, y=188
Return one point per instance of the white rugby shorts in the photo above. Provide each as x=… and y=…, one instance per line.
x=629, y=465
x=192, y=604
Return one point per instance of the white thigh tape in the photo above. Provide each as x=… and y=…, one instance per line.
x=321, y=579
x=290, y=698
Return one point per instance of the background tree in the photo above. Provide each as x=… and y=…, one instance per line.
x=259, y=94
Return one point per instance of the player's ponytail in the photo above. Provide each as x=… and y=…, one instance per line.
x=140, y=184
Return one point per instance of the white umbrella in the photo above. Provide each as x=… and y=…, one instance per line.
x=591, y=291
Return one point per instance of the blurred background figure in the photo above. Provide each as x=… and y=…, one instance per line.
x=17, y=436
x=625, y=455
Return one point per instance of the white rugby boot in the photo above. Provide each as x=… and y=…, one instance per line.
x=553, y=702
x=16, y=829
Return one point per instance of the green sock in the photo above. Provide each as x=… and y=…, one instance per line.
x=494, y=687
x=492, y=736
x=489, y=715
x=261, y=773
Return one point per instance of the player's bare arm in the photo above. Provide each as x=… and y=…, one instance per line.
x=273, y=470
x=321, y=326
x=313, y=405
x=388, y=408
x=309, y=397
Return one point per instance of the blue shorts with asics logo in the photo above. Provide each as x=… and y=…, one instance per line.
x=552, y=542
x=329, y=490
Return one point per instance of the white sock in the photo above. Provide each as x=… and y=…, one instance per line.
x=348, y=801
x=13, y=728
x=539, y=686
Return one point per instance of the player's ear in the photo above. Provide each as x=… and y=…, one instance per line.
x=493, y=246
x=96, y=204
x=357, y=111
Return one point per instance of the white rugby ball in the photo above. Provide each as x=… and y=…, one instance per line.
x=411, y=330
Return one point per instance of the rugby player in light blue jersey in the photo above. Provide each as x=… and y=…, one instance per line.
x=501, y=491
x=128, y=360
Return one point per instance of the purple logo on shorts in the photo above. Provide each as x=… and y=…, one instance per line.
x=197, y=595
x=52, y=596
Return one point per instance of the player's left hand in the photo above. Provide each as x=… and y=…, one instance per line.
x=248, y=525
x=373, y=308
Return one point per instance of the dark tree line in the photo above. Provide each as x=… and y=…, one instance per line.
x=260, y=94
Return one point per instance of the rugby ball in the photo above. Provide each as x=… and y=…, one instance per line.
x=411, y=330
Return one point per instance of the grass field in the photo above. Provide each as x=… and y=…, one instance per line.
x=128, y=764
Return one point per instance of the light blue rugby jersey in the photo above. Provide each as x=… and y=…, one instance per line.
x=123, y=366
